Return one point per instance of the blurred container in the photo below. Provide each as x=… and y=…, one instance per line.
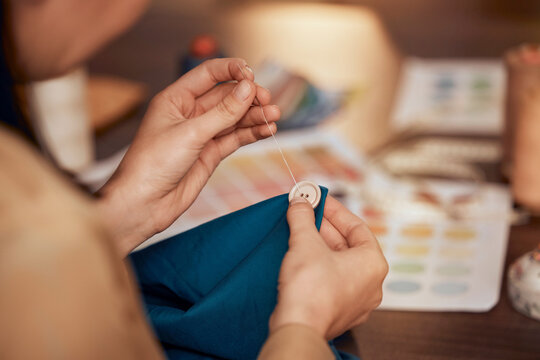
x=524, y=284
x=342, y=47
x=522, y=127
x=202, y=48
x=59, y=110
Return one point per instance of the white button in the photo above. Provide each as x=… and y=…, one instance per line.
x=308, y=190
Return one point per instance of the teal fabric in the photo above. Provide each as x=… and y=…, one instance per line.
x=209, y=292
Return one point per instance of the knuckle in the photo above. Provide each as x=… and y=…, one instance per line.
x=191, y=134
x=382, y=267
x=378, y=298
x=298, y=225
x=377, y=269
x=339, y=246
x=237, y=61
x=207, y=67
x=226, y=108
x=207, y=64
x=300, y=211
x=386, y=268
x=359, y=229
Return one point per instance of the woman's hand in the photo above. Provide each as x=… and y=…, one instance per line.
x=331, y=280
x=189, y=128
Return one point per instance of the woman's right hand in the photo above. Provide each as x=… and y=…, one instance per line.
x=189, y=128
x=332, y=280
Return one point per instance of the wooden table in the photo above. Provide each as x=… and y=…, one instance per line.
x=501, y=333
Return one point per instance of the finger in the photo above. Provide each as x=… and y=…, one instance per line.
x=353, y=229
x=213, y=96
x=332, y=237
x=254, y=117
x=226, y=113
x=264, y=96
x=211, y=72
x=220, y=148
x=301, y=219
x=229, y=143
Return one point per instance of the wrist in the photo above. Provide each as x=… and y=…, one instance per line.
x=122, y=218
x=283, y=316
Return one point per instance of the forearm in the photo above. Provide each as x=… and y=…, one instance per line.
x=295, y=341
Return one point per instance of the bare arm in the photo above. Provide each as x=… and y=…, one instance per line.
x=329, y=282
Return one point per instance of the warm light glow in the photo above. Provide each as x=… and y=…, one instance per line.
x=329, y=43
x=338, y=46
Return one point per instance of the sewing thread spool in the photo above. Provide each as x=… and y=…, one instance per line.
x=522, y=147
x=524, y=284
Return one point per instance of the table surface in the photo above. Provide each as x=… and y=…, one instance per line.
x=501, y=333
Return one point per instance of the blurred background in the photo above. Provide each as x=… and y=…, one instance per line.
x=150, y=51
x=416, y=114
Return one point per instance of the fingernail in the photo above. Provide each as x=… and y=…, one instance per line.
x=242, y=90
x=248, y=68
x=298, y=200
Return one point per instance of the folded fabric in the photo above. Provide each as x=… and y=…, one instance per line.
x=209, y=292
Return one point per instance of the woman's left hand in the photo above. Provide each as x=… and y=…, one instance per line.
x=189, y=128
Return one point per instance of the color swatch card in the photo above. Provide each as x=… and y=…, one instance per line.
x=451, y=96
x=257, y=172
x=435, y=263
x=440, y=264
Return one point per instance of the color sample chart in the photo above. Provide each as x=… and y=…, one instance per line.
x=435, y=264
x=444, y=265
x=257, y=172
x=451, y=96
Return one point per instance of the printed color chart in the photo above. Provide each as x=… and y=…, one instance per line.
x=436, y=264
x=450, y=96
x=443, y=265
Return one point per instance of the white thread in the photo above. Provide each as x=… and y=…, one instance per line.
x=273, y=137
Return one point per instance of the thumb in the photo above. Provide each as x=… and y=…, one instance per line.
x=228, y=111
x=301, y=219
